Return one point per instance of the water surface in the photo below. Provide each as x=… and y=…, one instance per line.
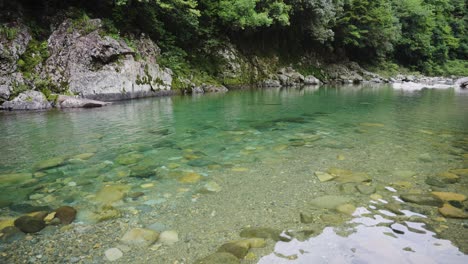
x=209, y=166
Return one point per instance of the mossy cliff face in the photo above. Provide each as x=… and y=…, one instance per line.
x=100, y=67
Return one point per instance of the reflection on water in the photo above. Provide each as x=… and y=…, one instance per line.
x=370, y=239
x=284, y=159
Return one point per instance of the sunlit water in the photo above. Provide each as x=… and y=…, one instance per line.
x=208, y=166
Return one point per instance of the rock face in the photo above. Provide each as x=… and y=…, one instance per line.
x=289, y=77
x=29, y=100
x=97, y=67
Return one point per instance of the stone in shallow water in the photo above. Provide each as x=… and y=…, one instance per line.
x=66, y=214
x=365, y=189
x=190, y=177
x=371, y=124
x=448, y=177
x=452, y=212
x=404, y=173
x=14, y=178
x=113, y=254
x=201, y=163
x=323, y=176
x=237, y=249
x=168, y=237
x=261, y=232
x=219, y=258
x=450, y=196
x=329, y=201
x=140, y=237
x=29, y=224
x=111, y=193
x=211, y=187
x=460, y=172
x=436, y=182
x=84, y=156
x=347, y=209
x=422, y=199
x=50, y=163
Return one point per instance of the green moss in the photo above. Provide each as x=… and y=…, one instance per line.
x=9, y=33
x=36, y=53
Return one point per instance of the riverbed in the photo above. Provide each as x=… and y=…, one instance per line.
x=322, y=174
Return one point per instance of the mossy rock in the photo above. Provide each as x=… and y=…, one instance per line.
x=218, y=258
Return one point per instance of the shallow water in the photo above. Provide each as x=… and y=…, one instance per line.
x=209, y=166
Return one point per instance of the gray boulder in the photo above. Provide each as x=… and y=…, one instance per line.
x=100, y=67
x=12, y=49
x=29, y=100
x=64, y=101
x=289, y=77
x=311, y=80
x=270, y=83
x=207, y=88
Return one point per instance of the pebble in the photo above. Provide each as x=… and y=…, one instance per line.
x=140, y=237
x=113, y=254
x=66, y=214
x=169, y=237
x=323, y=176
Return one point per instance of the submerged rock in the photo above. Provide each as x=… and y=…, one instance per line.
x=29, y=224
x=113, y=254
x=237, y=249
x=329, y=201
x=436, y=182
x=323, y=176
x=218, y=258
x=168, y=237
x=365, y=189
x=261, y=232
x=14, y=178
x=422, y=199
x=453, y=212
x=450, y=196
x=129, y=158
x=50, y=163
x=112, y=193
x=460, y=172
x=140, y=237
x=66, y=214
x=190, y=177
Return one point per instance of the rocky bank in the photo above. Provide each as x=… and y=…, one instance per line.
x=83, y=62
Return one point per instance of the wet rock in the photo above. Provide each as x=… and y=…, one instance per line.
x=190, y=177
x=64, y=101
x=168, y=237
x=211, y=187
x=136, y=195
x=329, y=201
x=237, y=249
x=29, y=224
x=66, y=214
x=323, y=176
x=201, y=163
x=142, y=171
x=84, y=156
x=29, y=100
x=218, y=258
x=348, y=188
x=261, y=232
x=394, y=208
x=50, y=163
x=347, y=209
x=450, y=196
x=113, y=254
x=365, y=189
x=13, y=178
x=433, y=181
x=452, y=212
x=129, y=158
x=311, y=80
x=140, y=237
x=346, y=176
x=308, y=217
x=111, y=193
x=422, y=199
x=460, y=172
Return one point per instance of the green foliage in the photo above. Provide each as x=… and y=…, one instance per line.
x=455, y=67
x=8, y=32
x=36, y=52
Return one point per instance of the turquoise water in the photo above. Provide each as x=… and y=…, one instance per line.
x=248, y=158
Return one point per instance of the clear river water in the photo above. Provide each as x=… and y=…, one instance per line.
x=323, y=167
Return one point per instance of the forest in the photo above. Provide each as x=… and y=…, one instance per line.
x=429, y=36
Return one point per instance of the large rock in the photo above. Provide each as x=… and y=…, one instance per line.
x=462, y=83
x=100, y=67
x=311, y=80
x=64, y=101
x=11, y=48
x=29, y=224
x=289, y=77
x=29, y=100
